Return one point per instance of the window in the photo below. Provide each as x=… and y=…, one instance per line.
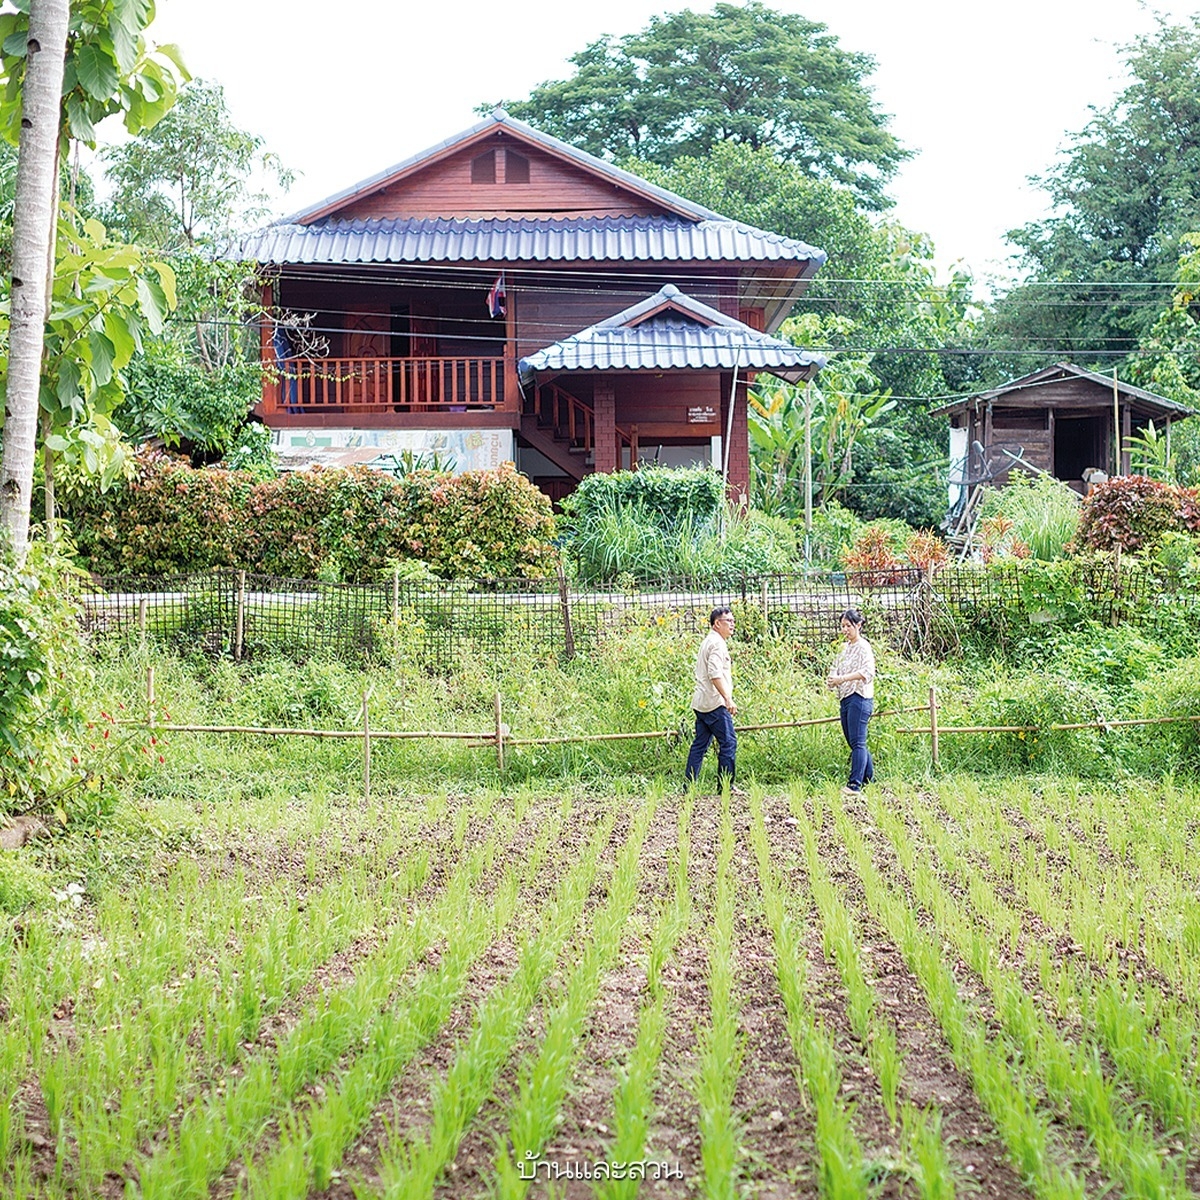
x=516, y=167
x=483, y=168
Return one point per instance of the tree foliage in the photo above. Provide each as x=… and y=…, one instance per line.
x=192, y=178
x=100, y=293
x=743, y=73
x=181, y=188
x=1123, y=194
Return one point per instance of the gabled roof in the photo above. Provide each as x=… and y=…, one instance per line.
x=504, y=240
x=499, y=119
x=670, y=330
x=1154, y=404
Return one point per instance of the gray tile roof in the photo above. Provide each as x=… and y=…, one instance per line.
x=670, y=330
x=525, y=240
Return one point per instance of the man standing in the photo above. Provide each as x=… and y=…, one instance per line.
x=712, y=700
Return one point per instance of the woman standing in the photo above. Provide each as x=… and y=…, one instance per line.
x=852, y=676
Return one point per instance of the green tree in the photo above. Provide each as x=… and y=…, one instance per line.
x=1122, y=195
x=183, y=187
x=879, y=297
x=191, y=179
x=96, y=294
x=842, y=411
x=743, y=73
x=1167, y=361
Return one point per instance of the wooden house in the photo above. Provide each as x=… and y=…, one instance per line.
x=504, y=295
x=1062, y=420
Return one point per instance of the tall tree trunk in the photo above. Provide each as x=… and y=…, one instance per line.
x=33, y=256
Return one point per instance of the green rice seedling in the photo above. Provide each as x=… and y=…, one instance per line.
x=542, y=1083
x=841, y=1169
x=634, y=1094
x=721, y=1044
x=871, y=1028
x=1071, y=1072
x=216, y=1127
x=1151, y=1038
x=924, y=1151
x=313, y=1141
x=412, y=1169
x=144, y=1058
x=1024, y=1128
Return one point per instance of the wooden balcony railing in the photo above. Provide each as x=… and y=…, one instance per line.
x=308, y=386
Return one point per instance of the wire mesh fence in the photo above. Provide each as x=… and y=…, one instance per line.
x=242, y=614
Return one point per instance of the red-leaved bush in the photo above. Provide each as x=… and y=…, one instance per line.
x=1133, y=512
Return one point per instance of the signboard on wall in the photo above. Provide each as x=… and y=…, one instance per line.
x=457, y=449
x=702, y=414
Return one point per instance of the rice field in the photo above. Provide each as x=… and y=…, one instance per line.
x=953, y=990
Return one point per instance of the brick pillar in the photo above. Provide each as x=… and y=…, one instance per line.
x=604, y=405
x=739, y=451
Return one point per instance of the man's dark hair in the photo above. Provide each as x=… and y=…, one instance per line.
x=718, y=612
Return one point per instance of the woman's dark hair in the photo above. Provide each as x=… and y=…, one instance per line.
x=853, y=616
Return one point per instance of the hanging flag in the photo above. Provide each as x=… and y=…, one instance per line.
x=497, y=301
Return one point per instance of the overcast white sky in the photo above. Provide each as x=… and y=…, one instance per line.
x=984, y=92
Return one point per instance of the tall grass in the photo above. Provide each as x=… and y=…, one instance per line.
x=1044, y=512
x=630, y=539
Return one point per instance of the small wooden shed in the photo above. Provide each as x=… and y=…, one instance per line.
x=1061, y=420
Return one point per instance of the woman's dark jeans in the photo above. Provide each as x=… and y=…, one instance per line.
x=856, y=712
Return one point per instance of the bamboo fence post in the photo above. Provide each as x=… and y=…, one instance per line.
x=366, y=749
x=142, y=605
x=240, y=623
x=766, y=610
x=564, y=604
x=149, y=695
x=396, y=598
x=1114, y=618
x=499, y=733
x=933, y=725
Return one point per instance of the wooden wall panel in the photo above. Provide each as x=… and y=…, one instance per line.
x=658, y=404
x=444, y=189
x=546, y=315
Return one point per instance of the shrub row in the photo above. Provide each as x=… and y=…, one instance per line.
x=351, y=524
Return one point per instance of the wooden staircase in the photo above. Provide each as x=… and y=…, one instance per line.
x=563, y=428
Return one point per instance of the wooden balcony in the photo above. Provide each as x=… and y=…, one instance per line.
x=385, y=391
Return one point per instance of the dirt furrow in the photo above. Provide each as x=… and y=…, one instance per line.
x=585, y=1132
x=674, y=1133
x=777, y=1130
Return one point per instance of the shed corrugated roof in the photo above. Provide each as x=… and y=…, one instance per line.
x=670, y=330
x=1150, y=401
x=499, y=240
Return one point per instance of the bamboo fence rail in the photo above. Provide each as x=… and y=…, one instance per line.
x=500, y=737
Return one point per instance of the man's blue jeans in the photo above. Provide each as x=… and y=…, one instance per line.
x=856, y=712
x=716, y=724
